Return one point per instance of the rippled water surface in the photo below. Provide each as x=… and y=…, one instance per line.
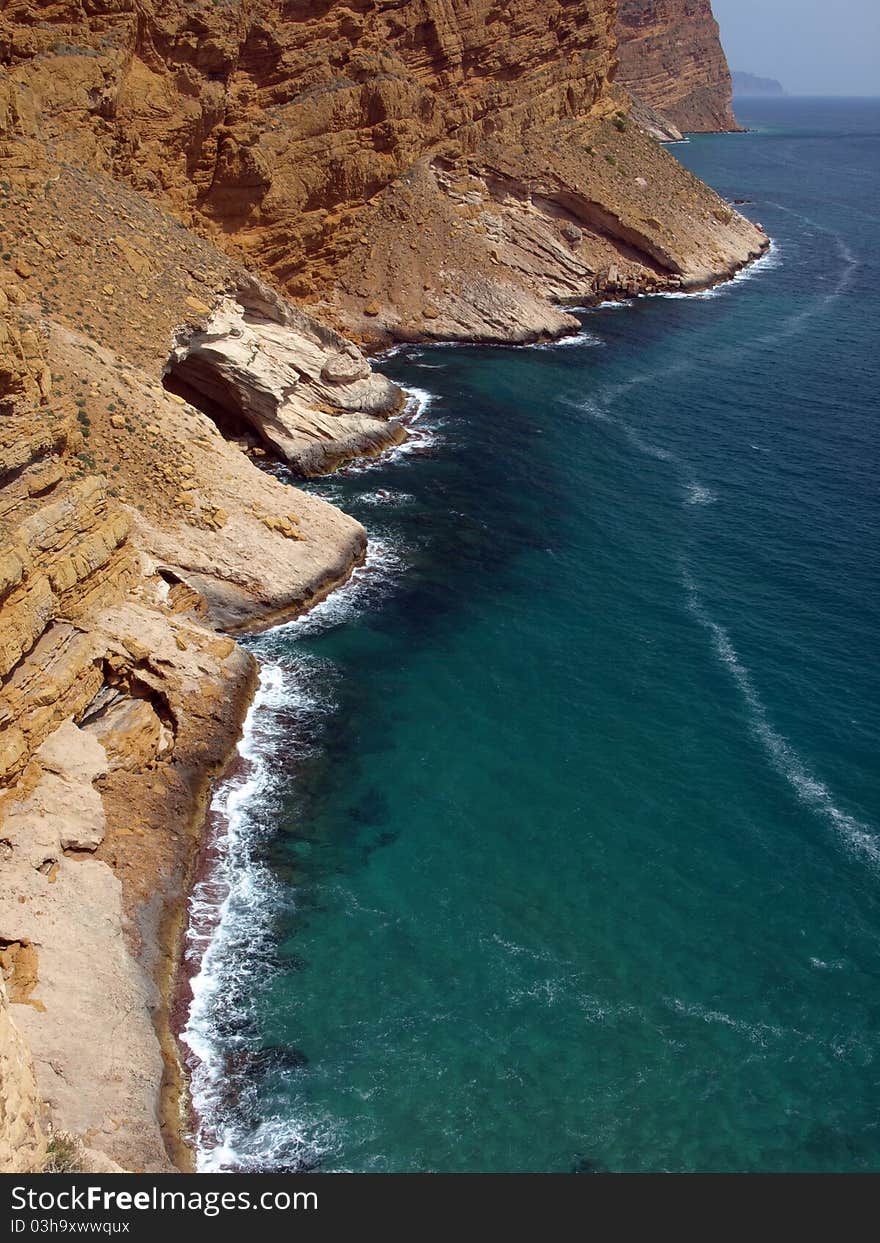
x=558, y=847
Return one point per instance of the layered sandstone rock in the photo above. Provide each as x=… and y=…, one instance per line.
x=76, y=827
x=323, y=144
x=672, y=60
x=168, y=173
x=485, y=249
x=309, y=394
x=118, y=704
x=128, y=526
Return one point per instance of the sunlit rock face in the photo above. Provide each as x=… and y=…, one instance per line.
x=672, y=59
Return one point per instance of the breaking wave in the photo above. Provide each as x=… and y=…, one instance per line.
x=237, y=898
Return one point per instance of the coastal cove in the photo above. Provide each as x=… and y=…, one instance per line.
x=557, y=841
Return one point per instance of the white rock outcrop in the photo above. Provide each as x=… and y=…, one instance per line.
x=309, y=394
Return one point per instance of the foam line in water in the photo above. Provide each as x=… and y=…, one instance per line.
x=697, y=494
x=796, y=323
x=813, y=793
x=758, y=1033
x=694, y=493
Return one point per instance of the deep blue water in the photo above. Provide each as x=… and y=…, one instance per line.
x=562, y=846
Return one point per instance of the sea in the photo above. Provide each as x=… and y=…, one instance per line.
x=554, y=840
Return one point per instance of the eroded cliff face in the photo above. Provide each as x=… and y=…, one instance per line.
x=169, y=175
x=85, y=639
x=131, y=526
x=671, y=58
x=331, y=146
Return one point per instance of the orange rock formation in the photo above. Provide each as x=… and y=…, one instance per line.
x=671, y=59
x=171, y=176
x=331, y=146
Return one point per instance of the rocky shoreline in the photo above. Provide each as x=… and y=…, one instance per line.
x=156, y=915
x=208, y=216
x=178, y=1110
x=177, y=1115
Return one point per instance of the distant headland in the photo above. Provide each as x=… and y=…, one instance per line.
x=745, y=84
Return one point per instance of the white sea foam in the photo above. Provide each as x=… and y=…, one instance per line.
x=610, y=394
x=565, y=982
x=598, y=409
x=233, y=906
x=516, y=950
x=692, y=295
x=547, y=992
x=857, y=836
x=403, y=347
x=573, y=338
x=419, y=402
x=795, y=324
x=228, y=912
x=424, y=434
x=758, y=1033
x=646, y=447
x=385, y=496
x=594, y=410
x=697, y=494
x=770, y=259
x=383, y=568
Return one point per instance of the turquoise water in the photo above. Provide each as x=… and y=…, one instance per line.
x=560, y=845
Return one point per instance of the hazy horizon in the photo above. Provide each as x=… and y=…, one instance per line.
x=794, y=42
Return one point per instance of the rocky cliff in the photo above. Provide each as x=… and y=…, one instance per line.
x=671, y=59
x=130, y=527
x=206, y=210
x=430, y=168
